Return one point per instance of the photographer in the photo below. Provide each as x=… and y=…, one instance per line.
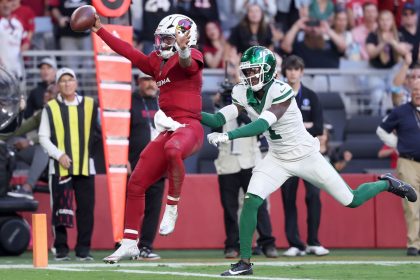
x=315, y=42
x=234, y=166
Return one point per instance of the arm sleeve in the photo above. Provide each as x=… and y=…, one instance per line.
x=123, y=48
x=252, y=129
x=389, y=139
x=213, y=120
x=317, y=118
x=45, y=135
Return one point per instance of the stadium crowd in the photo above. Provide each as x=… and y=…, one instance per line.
x=326, y=34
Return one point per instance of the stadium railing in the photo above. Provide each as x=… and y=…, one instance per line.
x=350, y=80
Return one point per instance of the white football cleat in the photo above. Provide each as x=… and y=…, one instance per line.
x=294, y=252
x=127, y=250
x=167, y=225
x=317, y=250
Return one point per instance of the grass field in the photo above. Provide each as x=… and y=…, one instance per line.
x=208, y=264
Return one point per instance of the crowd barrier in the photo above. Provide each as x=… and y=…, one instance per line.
x=379, y=223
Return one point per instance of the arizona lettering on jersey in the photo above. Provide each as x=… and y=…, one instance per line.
x=162, y=82
x=288, y=138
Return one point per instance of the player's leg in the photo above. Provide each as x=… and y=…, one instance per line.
x=318, y=171
x=182, y=143
x=267, y=177
x=150, y=167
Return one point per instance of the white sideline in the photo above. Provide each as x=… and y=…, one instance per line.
x=129, y=264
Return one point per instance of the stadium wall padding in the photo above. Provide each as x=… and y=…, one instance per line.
x=379, y=223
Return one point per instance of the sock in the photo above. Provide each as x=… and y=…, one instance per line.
x=248, y=223
x=366, y=191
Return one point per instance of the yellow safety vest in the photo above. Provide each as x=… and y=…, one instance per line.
x=71, y=131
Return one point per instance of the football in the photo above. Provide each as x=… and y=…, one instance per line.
x=83, y=18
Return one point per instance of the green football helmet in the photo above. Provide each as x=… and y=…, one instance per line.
x=258, y=67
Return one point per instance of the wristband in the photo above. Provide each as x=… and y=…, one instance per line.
x=185, y=53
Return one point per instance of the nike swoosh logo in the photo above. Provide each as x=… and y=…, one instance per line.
x=236, y=272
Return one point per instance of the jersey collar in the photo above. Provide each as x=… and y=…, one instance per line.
x=253, y=101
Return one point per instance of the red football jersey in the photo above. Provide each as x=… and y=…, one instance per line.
x=180, y=88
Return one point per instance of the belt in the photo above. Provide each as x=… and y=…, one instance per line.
x=409, y=157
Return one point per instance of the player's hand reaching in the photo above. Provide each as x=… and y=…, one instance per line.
x=215, y=138
x=97, y=24
x=183, y=40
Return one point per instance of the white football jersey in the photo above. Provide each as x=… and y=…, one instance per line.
x=288, y=138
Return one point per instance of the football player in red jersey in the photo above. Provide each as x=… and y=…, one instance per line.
x=177, y=69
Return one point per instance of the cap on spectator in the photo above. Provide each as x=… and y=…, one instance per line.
x=64, y=71
x=409, y=7
x=49, y=61
x=143, y=75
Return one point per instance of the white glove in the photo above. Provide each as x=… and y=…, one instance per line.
x=215, y=138
x=163, y=122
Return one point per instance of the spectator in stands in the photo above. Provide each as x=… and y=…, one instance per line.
x=389, y=152
x=47, y=69
x=340, y=26
x=409, y=30
x=355, y=10
x=71, y=165
x=214, y=45
x=310, y=107
x=369, y=24
x=315, y=42
x=383, y=46
x=251, y=31
x=12, y=35
x=289, y=11
x=384, y=49
x=30, y=151
x=39, y=7
x=234, y=166
x=151, y=15
x=394, y=6
x=27, y=18
x=268, y=8
x=200, y=12
x=69, y=40
x=405, y=121
x=321, y=10
x=403, y=80
x=144, y=105
x=336, y=156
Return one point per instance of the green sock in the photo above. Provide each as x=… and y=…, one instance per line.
x=366, y=191
x=248, y=223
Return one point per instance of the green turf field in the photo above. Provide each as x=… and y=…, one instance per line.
x=208, y=264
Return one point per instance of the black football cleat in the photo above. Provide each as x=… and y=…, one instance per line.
x=399, y=187
x=239, y=268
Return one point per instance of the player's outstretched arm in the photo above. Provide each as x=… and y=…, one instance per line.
x=121, y=47
x=263, y=123
x=227, y=113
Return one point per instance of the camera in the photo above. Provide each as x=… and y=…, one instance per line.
x=313, y=23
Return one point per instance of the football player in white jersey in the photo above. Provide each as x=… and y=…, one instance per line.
x=272, y=108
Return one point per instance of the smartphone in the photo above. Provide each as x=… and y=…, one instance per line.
x=313, y=22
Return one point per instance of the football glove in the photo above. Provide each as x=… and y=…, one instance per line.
x=215, y=138
x=164, y=123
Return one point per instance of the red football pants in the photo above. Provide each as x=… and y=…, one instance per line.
x=163, y=155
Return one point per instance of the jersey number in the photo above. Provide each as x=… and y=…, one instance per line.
x=273, y=134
